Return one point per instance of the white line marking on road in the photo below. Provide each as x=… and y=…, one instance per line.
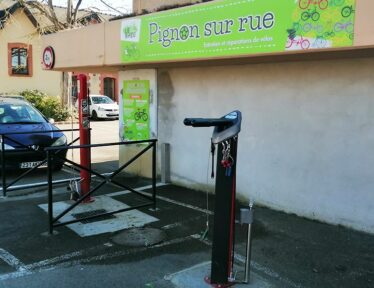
x=119, y=193
x=12, y=261
x=121, y=221
x=47, y=265
x=57, y=259
x=183, y=204
x=162, y=198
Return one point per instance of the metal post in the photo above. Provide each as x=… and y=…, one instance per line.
x=165, y=163
x=249, y=245
x=50, y=192
x=84, y=135
x=224, y=214
x=154, y=151
x=3, y=176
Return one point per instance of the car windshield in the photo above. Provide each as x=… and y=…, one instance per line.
x=101, y=100
x=19, y=113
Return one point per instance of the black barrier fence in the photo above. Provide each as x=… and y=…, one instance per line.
x=37, y=151
x=53, y=153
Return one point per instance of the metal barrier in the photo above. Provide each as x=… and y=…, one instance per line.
x=9, y=187
x=52, y=154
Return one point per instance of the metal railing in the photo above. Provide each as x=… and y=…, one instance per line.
x=52, y=153
x=7, y=187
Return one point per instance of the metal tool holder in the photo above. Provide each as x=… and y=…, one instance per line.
x=225, y=136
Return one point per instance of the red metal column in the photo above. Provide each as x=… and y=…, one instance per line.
x=85, y=135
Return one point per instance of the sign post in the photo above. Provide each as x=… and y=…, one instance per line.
x=85, y=135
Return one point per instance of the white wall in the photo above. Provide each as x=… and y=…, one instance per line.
x=307, y=140
x=151, y=5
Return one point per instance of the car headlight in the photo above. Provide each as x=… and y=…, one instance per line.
x=101, y=109
x=60, y=141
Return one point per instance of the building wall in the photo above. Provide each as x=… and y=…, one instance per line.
x=152, y=5
x=95, y=83
x=307, y=139
x=19, y=29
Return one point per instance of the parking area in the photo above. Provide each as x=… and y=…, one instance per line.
x=103, y=131
x=103, y=158
x=288, y=251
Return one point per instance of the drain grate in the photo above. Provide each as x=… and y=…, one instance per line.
x=92, y=214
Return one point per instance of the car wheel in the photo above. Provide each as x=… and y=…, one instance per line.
x=94, y=115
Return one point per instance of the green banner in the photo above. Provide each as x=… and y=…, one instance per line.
x=226, y=28
x=136, y=110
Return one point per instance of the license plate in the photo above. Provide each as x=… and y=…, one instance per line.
x=28, y=165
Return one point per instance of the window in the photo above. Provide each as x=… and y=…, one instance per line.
x=101, y=100
x=19, y=113
x=20, y=59
x=109, y=87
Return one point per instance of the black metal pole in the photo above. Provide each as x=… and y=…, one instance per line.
x=224, y=212
x=154, y=158
x=3, y=176
x=50, y=192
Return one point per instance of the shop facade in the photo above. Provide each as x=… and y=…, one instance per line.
x=308, y=113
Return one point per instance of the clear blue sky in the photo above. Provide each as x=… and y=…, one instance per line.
x=125, y=6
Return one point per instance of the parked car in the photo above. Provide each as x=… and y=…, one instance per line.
x=20, y=116
x=13, y=96
x=102, y=107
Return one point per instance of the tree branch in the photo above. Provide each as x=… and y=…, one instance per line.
x=44, y=11
x=76, y=11
x=112, y=8
x=69, y=12
x=53, y=14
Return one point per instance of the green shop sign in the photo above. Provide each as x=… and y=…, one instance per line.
x=136, y=110
x=224, y=28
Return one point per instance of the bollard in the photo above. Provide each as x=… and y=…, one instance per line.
x=246, y=217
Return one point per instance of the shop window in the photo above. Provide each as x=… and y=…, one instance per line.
x=109, y=87
x=20, y=59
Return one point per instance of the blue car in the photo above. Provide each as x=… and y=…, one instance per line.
x=26, y=150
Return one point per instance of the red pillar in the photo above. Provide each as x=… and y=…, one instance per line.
x=84, y=134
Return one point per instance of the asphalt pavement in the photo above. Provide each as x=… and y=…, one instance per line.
x=287, y=251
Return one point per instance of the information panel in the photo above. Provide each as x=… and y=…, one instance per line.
x=136, y=110
x=237, y=27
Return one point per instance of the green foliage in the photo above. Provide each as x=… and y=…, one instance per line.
x=50, y=106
